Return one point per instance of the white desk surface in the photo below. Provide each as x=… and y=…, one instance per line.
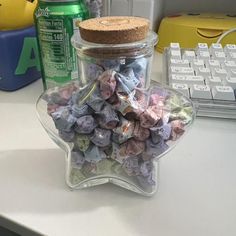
x=197, y=192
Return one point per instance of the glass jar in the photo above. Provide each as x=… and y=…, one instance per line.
x=111, y=123
x=95, y=58
x=138, y=173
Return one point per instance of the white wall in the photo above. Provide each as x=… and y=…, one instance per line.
x=158, y=12
x=173, y=6
x=166, y=7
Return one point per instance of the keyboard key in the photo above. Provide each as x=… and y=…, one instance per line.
x=197, y=63
x=213, y=63
x=179, y=63
x=190, y=80
x=205, y=55
x=215, y=47
x=229, y=48
x=189, y=55
x=228, y=65
x=175, y=54
x=220, y=56
x=200, y=91
x=175, y=46
x=232, y=56
x=232, y=72
x=181, y=70
x=203, y=71
x=219, y=72
x=230, y=81
x=177, y=78
x=213, y=81
x=223, y=93
x=202, y=47
x=183, y=88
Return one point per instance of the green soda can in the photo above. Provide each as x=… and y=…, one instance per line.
x=55, y=22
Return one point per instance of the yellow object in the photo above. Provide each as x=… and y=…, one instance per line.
x=16, y=14
x=190, y=29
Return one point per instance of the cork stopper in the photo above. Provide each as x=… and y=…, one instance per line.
x=114, y=29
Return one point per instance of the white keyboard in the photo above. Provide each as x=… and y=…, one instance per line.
x=205, y=74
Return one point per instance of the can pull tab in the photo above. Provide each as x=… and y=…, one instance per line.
x=209, y=33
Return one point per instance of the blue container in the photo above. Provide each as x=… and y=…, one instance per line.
x=19, y=58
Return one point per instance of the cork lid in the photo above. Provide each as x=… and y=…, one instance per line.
x=114, y=29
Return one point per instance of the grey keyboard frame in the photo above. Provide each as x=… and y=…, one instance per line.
x=205, y=107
